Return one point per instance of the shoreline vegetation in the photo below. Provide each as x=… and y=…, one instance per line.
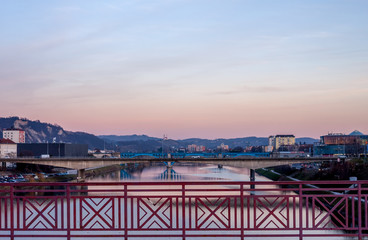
x=326, y=171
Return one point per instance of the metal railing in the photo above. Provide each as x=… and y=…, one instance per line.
x=139, y=210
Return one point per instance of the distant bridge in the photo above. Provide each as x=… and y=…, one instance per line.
x=81, y=164
x=195, y=155
x=84, y=163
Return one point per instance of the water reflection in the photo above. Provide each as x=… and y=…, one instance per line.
x=178, y=172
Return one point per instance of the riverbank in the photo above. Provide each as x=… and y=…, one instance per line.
x=73, y=177
x=268, y=174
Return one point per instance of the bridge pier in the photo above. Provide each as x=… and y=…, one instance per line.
x=169, y=164
x=3, y=166
x=81, y=176
x=252, y=178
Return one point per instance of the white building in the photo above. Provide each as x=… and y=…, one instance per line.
x=275, y=142
x=16, y=135
x=192, y=148
x=223, y=147
x=8, y=148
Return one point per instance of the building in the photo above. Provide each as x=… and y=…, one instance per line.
x=52, y=150
x=8, y=148
x=355, y=137
x=195, y=148
x=200, y=148
x=271, y=143
x=336, y=144
x=269, y=148
x=15, y=134
x=192, y=148
x=223, y=147
x=275, y=142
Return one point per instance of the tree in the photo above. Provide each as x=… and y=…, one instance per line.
x=237, y=149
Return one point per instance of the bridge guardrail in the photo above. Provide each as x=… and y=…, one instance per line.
x=184, y=209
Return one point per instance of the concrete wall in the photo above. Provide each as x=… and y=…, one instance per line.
x=8, y=150
x=52, y=149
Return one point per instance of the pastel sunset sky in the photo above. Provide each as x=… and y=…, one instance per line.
x=187, y=68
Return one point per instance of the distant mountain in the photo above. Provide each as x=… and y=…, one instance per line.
x=232, y=142
x=139, y=143
x=306, y=140
x=37, y=132
x=127, y=138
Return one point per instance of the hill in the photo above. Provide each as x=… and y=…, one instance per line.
x=37, y=132
x=138, y=143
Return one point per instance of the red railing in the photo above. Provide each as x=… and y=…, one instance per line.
x=141, y=210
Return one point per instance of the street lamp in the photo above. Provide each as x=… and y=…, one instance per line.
x=162, y=145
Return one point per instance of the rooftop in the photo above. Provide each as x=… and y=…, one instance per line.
x=13, y=129
x=284, y=135
x=6, y=141
x=356, y=133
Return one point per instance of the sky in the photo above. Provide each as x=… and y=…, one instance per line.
x=187, y=68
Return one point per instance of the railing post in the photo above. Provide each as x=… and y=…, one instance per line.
x=12, y=212
x=300, y=211
x=126, y=211
x=242, y=210
x=68, y=218
x=183, y=208
x=252, y=179
x=360, y=211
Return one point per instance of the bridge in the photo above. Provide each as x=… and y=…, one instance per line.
x=81, y=164
x=196, y=155
x=84, y=163
x=183, y=210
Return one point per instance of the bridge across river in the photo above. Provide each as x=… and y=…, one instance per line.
x=81, y=164
x=84, y=163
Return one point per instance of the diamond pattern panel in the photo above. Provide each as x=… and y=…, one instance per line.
x=97, y=213
x=154, y=213
x=271, y=212
x=212, y=213
x=330, y=212
x=39, y=213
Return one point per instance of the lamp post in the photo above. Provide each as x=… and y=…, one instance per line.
x=162, y=145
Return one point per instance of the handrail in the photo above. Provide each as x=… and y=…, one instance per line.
x=184, y=209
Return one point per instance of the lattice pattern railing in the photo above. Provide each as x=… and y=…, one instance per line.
x=183, y=209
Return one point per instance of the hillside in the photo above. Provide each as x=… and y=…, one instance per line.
x=127, y=138
x=138, y=143
x=37, y=132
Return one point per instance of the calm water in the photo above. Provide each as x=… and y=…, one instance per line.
x=179, y=172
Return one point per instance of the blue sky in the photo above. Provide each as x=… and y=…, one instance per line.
x=187, y=68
